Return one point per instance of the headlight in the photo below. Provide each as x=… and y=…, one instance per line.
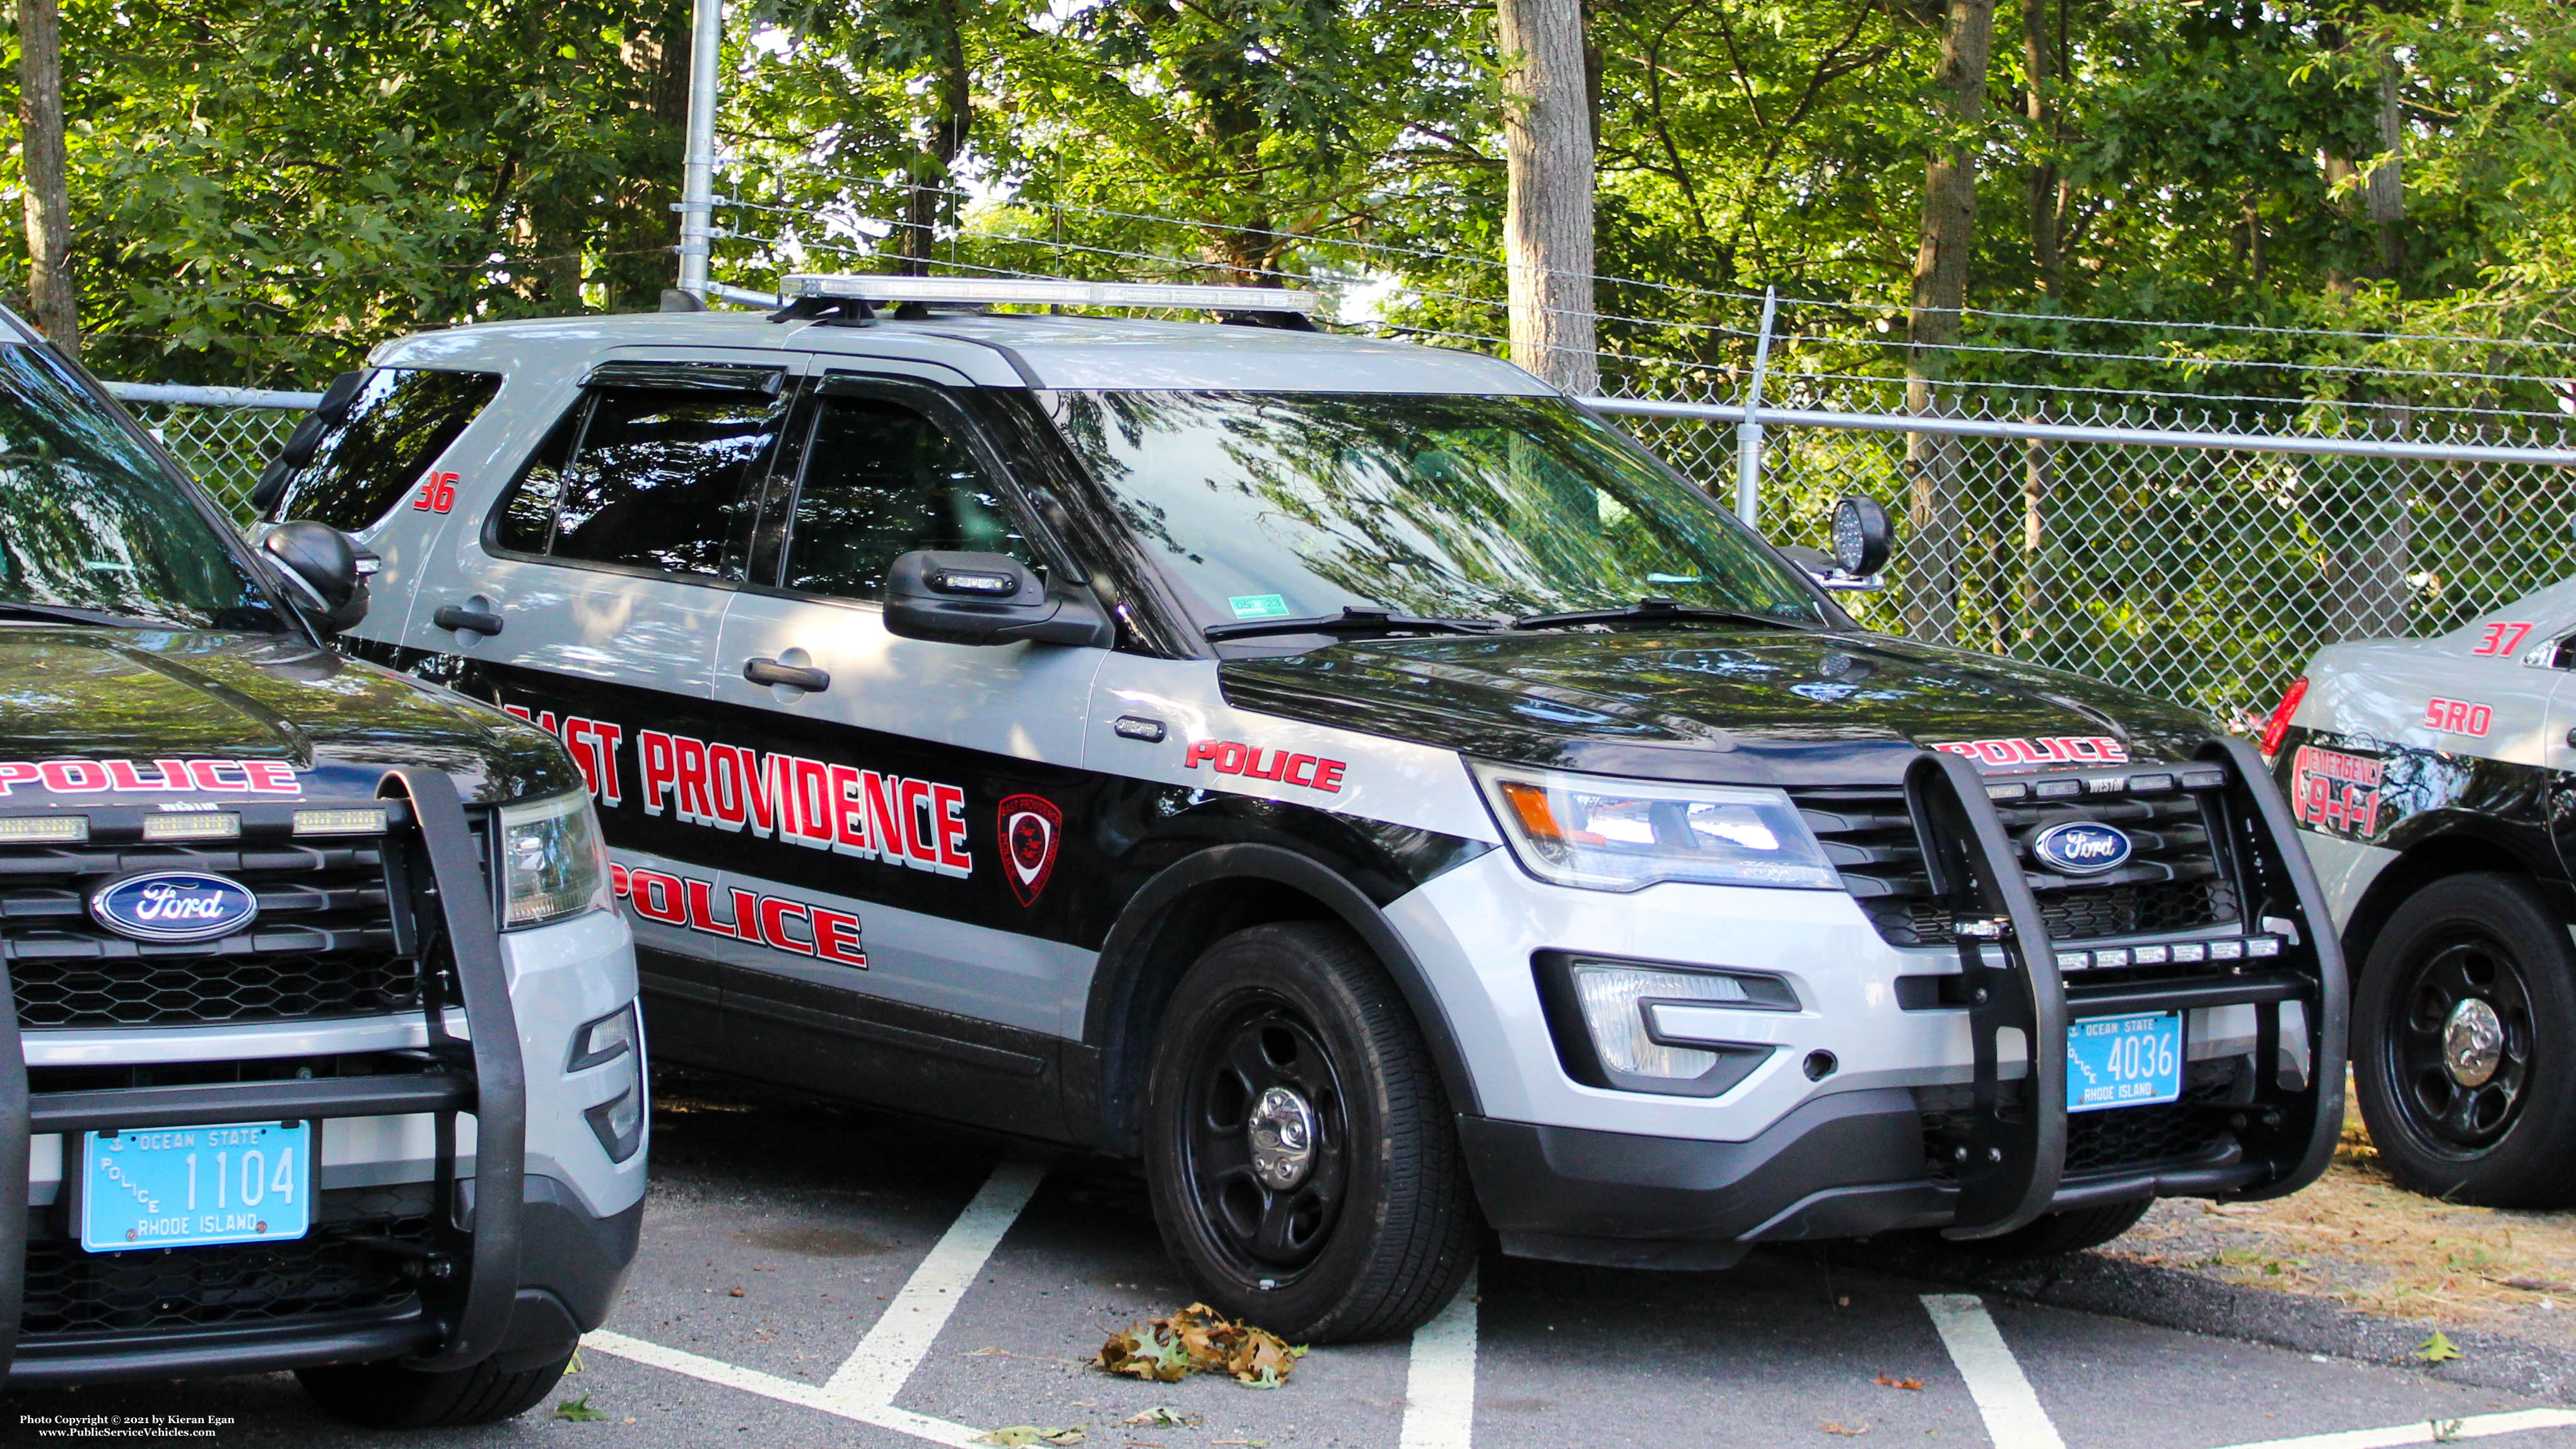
x=552, y=864
x=611, y=1042
x=1619, y=835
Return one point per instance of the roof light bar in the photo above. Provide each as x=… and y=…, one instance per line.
x=1033, y=292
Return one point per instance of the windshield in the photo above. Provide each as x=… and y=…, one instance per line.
x=93, y=523
x=1294, y=505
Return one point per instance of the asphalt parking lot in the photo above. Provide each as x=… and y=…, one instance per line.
x=816, y=1275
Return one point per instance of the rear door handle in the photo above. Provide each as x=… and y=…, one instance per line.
x=770, y=671
x=472, y=621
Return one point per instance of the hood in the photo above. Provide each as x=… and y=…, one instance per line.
x=114, y=713
x=1728, y=706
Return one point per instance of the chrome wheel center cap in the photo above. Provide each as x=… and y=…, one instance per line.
x=2472, y=1043
x=1282, y=1130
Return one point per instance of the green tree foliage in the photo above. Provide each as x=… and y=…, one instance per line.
x=263, y=190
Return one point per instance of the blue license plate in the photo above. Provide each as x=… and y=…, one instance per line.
x=188, y=1187
x=2123, y=1061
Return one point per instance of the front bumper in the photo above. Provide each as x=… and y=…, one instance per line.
x=415, y=1252
x=1915, y=1108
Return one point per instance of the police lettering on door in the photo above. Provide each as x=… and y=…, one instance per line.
x=818, y=804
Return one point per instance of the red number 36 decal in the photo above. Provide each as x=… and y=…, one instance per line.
x=2494, y=639
x=437, y=493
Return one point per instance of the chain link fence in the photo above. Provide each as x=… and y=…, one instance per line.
x=223, y=436
x=2172, y=555
x=2194, y=563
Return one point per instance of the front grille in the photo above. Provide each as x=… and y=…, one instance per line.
x=2172, y=883
x=326, y=943
x=2116, y=1139
x=355, y=1260
x=2133, y=1137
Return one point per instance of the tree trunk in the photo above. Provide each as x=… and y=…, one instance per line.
x=2384, y=190
x=1547, y=220
x=50, y=293
x=952, y=100
x=1940, y=290
x=2039, y=61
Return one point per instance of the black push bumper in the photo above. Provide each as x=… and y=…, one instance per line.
x=472, y=1301
x=1856, y=1163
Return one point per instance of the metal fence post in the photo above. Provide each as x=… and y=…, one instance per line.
x=1748, y=433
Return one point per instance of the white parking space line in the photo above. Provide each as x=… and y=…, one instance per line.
x=2014, y=1419
x=786, y=1391
x=2431, y=1431
x=1440, y=1387
x=875, y=1371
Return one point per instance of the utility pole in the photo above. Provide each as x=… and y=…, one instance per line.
x=50, y=292
x=1547, y=219
x=698, y=154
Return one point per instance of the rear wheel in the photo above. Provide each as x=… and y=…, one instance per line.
x=390, y=1396
x=2464, y=1044
x=2056, y=1234
x=1304, y=1169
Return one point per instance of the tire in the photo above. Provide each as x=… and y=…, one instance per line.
x=389, y=1396
x=1371, y=1231
x=2058, y=1234
x=2471, y=961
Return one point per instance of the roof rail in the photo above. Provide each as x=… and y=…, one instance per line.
x=1045, y=292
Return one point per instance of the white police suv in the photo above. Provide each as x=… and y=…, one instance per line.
x=2431, y=783
x=318, y=1042
x=1349, y=777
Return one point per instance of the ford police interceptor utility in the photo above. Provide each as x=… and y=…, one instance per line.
x=2430, y=780
x=318, y=1047
x=1349, y=777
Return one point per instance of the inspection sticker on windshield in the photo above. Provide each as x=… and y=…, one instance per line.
x=2123, y=1061
x=178, y=1187
x=1259, y=606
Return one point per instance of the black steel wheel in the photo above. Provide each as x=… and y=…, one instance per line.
x=2464, y=1037
x=1269, y=1151
x=1304, y=1167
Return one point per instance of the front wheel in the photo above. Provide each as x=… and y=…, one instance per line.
x=2464, y=1044
x=1304, y=1169
x=390, y=1396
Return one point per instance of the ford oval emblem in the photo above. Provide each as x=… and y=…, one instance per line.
x=174, y=905
x=2081, y=847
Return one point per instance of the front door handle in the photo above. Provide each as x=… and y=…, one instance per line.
x=468, y=621
x=770, y=671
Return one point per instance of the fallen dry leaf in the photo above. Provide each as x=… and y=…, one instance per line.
x=1199, y=1340
x=1159, y=1417
x=1830, y=1427
x=1915, y=1384
x=1020, y=1436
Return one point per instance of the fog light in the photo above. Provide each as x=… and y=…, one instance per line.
x=618, y=1123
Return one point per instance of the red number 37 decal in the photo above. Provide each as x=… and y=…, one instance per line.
x=438, y=494
x=2494, y=639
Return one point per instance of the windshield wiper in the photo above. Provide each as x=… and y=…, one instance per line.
x=1350, y=622
x=1653, y=611
x=66, y=614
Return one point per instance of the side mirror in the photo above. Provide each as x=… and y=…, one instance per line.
x=985, y=598
x=326, y=570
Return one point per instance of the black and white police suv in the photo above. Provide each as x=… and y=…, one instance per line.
x=1350, y=777
x=2431, y=782
x=318, y=1044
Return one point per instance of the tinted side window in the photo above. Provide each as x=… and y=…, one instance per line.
x=882, y=479
x=657, y=479
x=400, y=421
